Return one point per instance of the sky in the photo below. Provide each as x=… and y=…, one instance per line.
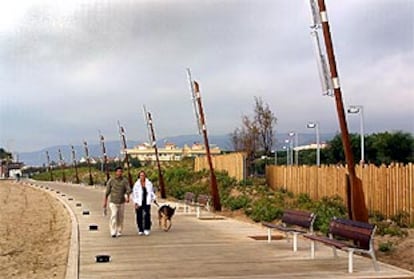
x=71, y=68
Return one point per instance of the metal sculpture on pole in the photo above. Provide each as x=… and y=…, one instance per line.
x=153, y=142
x=104, y=156
x=124, y=147
x=356, y=200
x=202, y=129
x=49, y=167
x=88, y=161
x=75, y=165
x=62, y=165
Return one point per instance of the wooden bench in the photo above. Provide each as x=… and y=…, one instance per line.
x=203, y=202
x=348, y=235
x=294, y=222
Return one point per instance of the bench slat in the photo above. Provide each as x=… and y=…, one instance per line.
x=328, y=241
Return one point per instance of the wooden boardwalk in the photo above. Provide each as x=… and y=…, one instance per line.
x=196, y=248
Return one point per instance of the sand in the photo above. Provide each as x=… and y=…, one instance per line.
x=35, y=233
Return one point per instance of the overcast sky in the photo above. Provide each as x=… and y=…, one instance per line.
x=69, y=68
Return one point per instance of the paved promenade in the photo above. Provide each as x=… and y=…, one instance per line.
x=195, y=248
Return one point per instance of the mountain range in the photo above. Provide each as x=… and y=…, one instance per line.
x=38, y=158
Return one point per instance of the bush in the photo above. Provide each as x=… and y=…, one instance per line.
x=389, y=228
x=235, y=203
x=264, y=209
x=325, y=210
x=402, y=219
x=385, y=246
x=376, y=216
x=303, y=201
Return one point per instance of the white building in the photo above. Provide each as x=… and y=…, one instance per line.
x=170, y=152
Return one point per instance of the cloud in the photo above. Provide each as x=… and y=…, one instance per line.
x=67, y=70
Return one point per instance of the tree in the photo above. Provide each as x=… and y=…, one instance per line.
x=245, y=138
x=334, y=153
x=265, y=121
x=4, y=154
x=392, y=147
x=255, y=134
x=380, y=148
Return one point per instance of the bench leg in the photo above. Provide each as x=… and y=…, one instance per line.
x=334, y=252
x=269, y=235
x=374, y=261
x=312, y=249
x=198, y=212
x=350, y=261
x=295, y=242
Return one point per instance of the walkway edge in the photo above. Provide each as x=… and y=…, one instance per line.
x=72, y=269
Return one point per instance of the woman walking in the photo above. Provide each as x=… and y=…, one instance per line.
x=143, y=195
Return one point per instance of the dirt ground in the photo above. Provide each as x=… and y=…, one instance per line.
x=35, y=233
x=401, y=254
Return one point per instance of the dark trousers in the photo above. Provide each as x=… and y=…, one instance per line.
x=143, y=214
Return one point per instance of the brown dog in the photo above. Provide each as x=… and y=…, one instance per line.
x=165, y=214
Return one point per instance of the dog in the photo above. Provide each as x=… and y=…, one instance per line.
x=165, y=214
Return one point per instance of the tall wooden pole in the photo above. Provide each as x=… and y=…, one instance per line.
x=124, y=146
x=75, y=165
x=62, y=165
x=358, y=210
x=105, y=157
x=213, y=180
x=49, y=167
x=154, y=144
x=88, y=161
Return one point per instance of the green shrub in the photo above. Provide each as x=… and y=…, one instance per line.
x=235, y=203
x=246, y=182
x=387, y=228
x=385, y=246
x=264, y=209
x=402, y=219
x=376, y=216
x=325, y=210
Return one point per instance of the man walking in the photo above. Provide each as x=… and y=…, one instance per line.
x=119, y=190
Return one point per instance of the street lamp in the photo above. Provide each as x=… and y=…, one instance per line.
x=354, y=109
x=315, y=125
x=295, y=134
x=287, y=153
x=275, y=151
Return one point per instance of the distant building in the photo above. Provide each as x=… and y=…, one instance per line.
x=310, y=146
x=170, y=152
x=10, y=169
x=84, y=160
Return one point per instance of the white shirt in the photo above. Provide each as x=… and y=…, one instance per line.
x=137, y=192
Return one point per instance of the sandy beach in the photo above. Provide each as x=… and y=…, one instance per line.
x=35, y=233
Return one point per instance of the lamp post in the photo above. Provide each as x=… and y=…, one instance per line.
x=286, y=147
x=315, y=125
x=75, y=165
x=62, y=165
x=295, y=134
x=354, y=109
x=275, y=151
x=202, y=128
x=357, y=208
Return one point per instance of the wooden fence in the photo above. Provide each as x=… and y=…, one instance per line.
x=387, y=189
x=234, y=164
